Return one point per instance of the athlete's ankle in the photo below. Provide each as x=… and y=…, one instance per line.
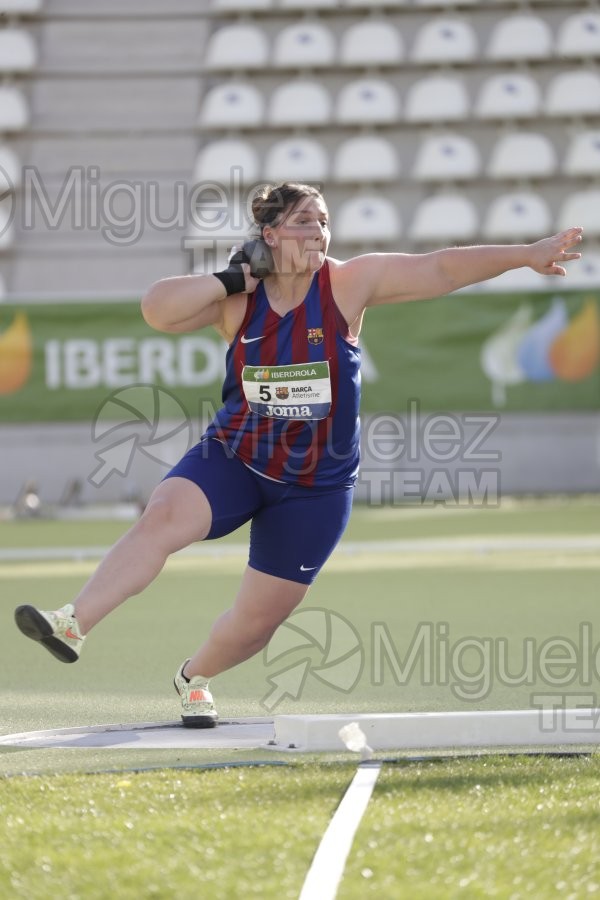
x=186, y=675
x=70, y=609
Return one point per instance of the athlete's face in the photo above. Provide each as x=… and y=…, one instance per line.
x=300, y=240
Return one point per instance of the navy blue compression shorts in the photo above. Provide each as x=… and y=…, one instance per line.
x=294, y=529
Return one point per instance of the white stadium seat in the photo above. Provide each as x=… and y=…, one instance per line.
x=10, y=170
x=520, y=37
x=237, y=47
x=365, y=158
x=14, y=112
x=363, y=219
x=371, y=43
x=232, y=104
x=511, y=96
x=522, y=155
x=226, y=162
x=437, y=98
x=296, y=159
x=522, y=280
x=18, y=52
x=574, y=93
x=585, y=272
x=583, y=154
x=300, y=103
x=582, y=209
x=446, y=157
x=517, y=215
x=227, y=223
x=304, y=44
x=445, y=217
x=579, y=36
x=445, y=40
x=367, y=100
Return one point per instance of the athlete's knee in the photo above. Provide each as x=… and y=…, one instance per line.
x=169, y=520
x=158, y=515
x=260, y=628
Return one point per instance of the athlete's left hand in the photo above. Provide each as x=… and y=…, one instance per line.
x=547, y=255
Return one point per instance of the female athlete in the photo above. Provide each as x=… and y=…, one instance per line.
x=283, y=450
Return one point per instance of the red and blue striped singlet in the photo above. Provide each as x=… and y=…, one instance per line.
x=291, y=393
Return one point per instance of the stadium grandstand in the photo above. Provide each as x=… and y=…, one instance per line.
x=399, y=109
x=426, y=123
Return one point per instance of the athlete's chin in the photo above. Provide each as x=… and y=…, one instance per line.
x=315, y=259
x=309, y=261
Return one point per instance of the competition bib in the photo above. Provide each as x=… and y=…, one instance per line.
x=300, y=391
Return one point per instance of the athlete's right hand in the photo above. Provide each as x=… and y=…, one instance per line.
x=239, y=259
x=251, y=282
x=245, y=268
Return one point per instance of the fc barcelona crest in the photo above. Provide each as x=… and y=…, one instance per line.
x=282, y=393
x=315, y=336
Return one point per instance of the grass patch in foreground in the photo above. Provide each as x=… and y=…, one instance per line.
x=218, y=834
x=492, y=827
x=474, y=828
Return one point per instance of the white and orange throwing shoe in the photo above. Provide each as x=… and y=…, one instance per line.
x=57, y=630
x=197, y=706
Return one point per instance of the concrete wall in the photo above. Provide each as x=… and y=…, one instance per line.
x=484, y=457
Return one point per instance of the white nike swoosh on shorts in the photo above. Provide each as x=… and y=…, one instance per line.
x=246, y=340
x=308, y=568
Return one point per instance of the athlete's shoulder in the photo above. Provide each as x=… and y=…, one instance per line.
x=340, y=270
x=351, y=283
x=357, y=266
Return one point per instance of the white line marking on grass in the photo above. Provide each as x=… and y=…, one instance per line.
x=517, y=543
x=327, y=868
x=498, y=552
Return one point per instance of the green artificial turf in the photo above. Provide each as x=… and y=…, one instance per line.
x=475, y=828
x=498, y=826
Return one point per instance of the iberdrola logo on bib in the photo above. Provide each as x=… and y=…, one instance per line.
x=300, y=391
x=16, y=355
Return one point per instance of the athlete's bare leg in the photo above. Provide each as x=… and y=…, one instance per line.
x=177, y=514
x=262, y=604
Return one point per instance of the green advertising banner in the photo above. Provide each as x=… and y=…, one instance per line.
x=536, y=352
x=61, y=362
x=506, y=352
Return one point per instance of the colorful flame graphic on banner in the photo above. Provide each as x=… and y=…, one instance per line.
x=549, y=349
x=16, y=355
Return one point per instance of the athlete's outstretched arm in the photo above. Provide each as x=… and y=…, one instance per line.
x=381, y=278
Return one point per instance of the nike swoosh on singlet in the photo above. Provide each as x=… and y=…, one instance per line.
x=246, y=340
